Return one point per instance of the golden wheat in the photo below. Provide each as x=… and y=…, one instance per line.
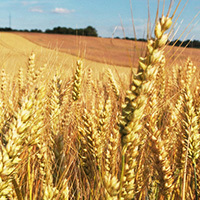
x=79, y=136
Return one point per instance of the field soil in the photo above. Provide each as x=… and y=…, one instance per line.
x=15, y=51
x=106, y=50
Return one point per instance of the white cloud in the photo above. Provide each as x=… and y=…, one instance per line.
x=36, y=9
x=62, y=11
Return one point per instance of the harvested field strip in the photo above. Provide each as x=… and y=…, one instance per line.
x=105, y=50
x=15, y=50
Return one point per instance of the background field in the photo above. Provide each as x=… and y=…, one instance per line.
x=106, y=50
x=15, y=50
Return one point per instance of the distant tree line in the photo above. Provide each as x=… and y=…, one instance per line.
x=186, y=43
x=19, y=30
x=88, y=31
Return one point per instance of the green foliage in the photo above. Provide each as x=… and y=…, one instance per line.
x=88, y=31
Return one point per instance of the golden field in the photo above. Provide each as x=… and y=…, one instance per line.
x=76, y=127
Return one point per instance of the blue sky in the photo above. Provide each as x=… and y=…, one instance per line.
x=104, y=15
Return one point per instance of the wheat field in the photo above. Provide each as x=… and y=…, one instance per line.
x=117, y=52
x=76, y=129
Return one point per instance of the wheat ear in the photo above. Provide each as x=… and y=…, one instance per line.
x=135, y=102
x=77, y=81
